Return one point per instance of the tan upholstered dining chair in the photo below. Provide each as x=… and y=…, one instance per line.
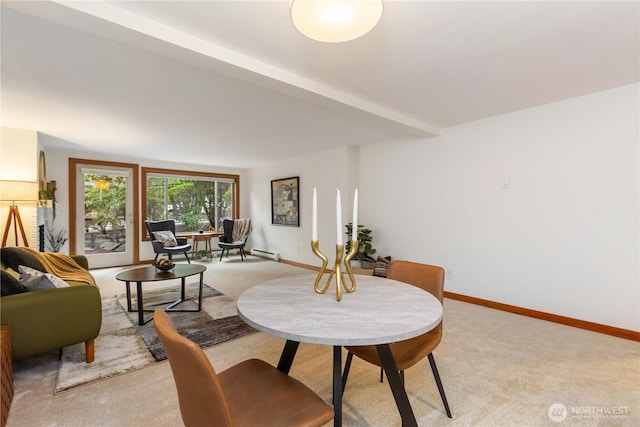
x=252, y=393
x=409, y=352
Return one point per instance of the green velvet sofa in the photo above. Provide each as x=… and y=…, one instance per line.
x=50, y=319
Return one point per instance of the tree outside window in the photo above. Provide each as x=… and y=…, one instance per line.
x=195, y=201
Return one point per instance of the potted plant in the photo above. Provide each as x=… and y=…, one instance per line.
x=54, y=238
x=365, y=249
x=205, y=255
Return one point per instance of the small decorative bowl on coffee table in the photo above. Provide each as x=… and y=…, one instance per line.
x=166, y=266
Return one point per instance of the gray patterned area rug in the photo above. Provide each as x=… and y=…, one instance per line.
x=122, y=346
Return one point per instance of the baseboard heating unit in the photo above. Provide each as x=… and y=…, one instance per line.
x=265, y=254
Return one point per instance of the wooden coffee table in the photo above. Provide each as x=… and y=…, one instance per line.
x=152, y=274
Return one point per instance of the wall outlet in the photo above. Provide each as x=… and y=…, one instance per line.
x=450, y=274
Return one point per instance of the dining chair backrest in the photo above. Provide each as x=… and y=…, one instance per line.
x=431, y=279
x=427, y=277
x=200, y=394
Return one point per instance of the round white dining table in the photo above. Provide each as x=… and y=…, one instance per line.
x=380, y=311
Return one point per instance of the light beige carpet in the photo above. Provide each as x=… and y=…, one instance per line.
x=498, y=369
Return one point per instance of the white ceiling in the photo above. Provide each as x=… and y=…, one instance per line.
x=232, y=83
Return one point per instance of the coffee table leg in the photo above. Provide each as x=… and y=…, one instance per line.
x=397, y=387
x=182, y=298
x=200, y=291
x=337, y=386
x=128, y=296
x=140, y=305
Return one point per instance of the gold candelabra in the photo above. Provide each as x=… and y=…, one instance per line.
x=337, y=271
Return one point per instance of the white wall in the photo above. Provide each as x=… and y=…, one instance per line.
x=563, y=239
x=57, y=169
x=19, y=162
x=18, y=154
x=327, y=171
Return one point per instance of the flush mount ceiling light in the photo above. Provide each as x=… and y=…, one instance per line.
x=334, y=21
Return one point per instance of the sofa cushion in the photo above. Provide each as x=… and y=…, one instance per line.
x=35, y=280
x=13, y=273
x=9, y=285
x=166, y=238
x=15, y=257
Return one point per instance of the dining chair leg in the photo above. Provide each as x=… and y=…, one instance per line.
x=347, y=367
x=338, y=386
x=382, y=375
x=436, y=376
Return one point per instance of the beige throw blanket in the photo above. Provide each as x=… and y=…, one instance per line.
x=241, y=229
x=63, y=266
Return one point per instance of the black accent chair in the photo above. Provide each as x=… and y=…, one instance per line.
x=226, y=241
x=182, y=245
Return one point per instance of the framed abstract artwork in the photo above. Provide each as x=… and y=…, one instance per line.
x=285, y=201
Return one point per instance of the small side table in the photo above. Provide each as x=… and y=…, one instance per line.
x=201, y=237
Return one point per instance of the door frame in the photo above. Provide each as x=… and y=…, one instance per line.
x=73, y=162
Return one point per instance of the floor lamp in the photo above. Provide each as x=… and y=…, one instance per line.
x=14, y=192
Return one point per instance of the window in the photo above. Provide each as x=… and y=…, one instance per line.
x=195, y=200
x=105, y=210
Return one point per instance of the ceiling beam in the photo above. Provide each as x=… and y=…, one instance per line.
x=145, y=33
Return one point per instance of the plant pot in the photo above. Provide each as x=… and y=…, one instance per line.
x=368, y=264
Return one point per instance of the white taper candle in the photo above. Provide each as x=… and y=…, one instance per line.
x=338, y=218
x=314, y=217
x=354, y=230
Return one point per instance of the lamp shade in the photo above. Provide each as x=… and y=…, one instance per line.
x=334, y=21
x=18, y=191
